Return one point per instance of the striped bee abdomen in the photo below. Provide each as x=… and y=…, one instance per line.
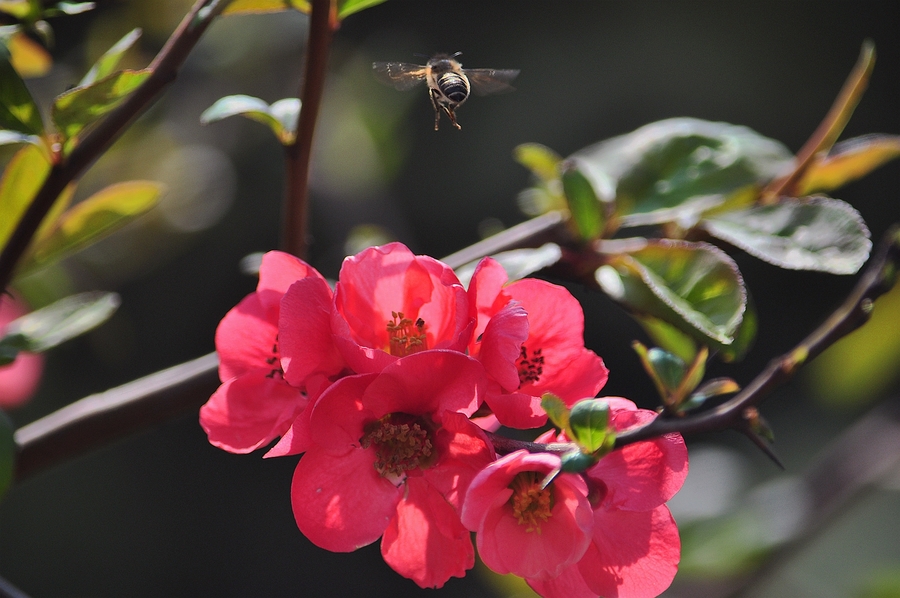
x=454, y=86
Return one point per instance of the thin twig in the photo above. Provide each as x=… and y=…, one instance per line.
x=322, y=21
x=164, y=70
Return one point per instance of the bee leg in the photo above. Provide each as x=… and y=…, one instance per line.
x=452, y=116
x=437, y=110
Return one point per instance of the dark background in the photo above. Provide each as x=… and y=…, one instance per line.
x=164, y=513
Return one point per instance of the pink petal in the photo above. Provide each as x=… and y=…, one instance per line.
x=428, y=383
x=425, y=541
x=464, y=450
x=19, y=379
x=643, y=475
x=633, y=554
x=250, y=411
x=247, y=338
x=307, y=345
x=340, y=502
x=568, y=584
x=339, y=415
x=486, y=296
x=277, y=272
x=516, y=410
x=501, y=345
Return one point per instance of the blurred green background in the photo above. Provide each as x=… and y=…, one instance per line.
x=165, y=514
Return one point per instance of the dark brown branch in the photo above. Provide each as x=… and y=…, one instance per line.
x=119, y=412
x=322, y=23
x=878, y=277
x=164, y=70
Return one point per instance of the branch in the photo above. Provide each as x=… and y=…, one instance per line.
x=877, y=279
x=322, y=23
x=165, y=68
x=119, y=412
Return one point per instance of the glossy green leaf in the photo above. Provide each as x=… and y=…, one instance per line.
x=847, y=161
x=7, y=453
x=262, y=6
x=281, y=117
x=577, y=462
x=60, y=321
x=585, y=208
x=695, y=287
x=18, y=111
x=21, y=180
x=81, y=106
x=542, y=161
x=93, y=219
x=106, y=64
x=589, y=422
x=710, y=388
x=349, y=7
x=69, y=8
x=665, y=369
x=557, y=411
x=518, y=263
x=817, y=233
x=674, y=170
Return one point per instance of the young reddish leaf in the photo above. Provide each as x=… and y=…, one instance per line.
x=675, y=169
x=79, y=107
x=262, y=6
x=91, y=220
x=107, y=63
x=585, y=208
x=281, y=117
x=28, y=57
x=589, y=421
x=817, y=233
x=695, y=287
x=847, y=161
x=349, y=7
x=22, y=178
x=18, y=112
x=7, y=453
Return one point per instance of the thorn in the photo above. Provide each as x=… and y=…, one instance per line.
x=762, y=445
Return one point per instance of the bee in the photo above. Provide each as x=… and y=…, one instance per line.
x=448, y=83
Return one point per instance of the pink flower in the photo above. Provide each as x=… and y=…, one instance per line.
x=522, y=527
x=388, y=303
x=391, y=455
x=547, y=354
x=19, y=379
x=635, y=548
x=254, y=405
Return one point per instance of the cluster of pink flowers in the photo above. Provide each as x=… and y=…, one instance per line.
x=387, y=385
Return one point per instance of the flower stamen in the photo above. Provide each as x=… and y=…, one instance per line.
x=531, y=505
x=401, y=443
x=530, y=368
x=407, y=337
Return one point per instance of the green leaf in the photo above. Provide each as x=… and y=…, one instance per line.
x=93, y=219
x=13, y=137
x=349, y=7
x=263, y=6
x=60, y=321
x=576, y=462
x=24, y=10
x=106, y=64
x=81, y=106
x=21, y=180
x=665, y=369
x=7, y=453
x=675, y=169
x=18, y=112
x=817, y=233
x=589, y=421
x=847, y=161
x=586, y=210
x=709, y=389
x=557, y=411
x=518, y=263
x=281, y=117
x=668, y=337
x=542, y=161
x=695, y=287
x=69, y=8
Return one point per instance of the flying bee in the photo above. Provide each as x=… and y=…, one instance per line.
x=448, y=83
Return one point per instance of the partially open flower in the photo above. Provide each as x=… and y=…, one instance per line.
x=19, y=379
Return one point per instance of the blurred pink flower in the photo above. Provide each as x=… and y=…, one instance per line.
x=635, y=548
x=526, y=360
x=392, y=454
x=19, y=379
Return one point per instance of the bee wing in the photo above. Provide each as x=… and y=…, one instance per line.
x=399, y=75
x=487, y=81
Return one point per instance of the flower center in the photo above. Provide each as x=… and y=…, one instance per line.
x=531, y=504
x=401, y=442
x=530, y=368
x=275, y=361
x=407, y=337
